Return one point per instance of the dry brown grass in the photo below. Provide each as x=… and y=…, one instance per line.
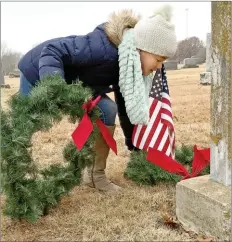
x=134, y=213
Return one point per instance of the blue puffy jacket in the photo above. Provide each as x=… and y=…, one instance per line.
x=91, y=58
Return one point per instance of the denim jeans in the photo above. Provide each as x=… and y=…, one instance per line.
x=106, y=105
x=25, y=85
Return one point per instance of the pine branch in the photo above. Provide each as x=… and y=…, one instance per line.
x=31, y=192
x=143, y=172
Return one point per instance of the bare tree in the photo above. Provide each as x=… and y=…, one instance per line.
x=189, y=47
x=201, y=53
x=2, y=80
x=4, y=48
x=9, y=59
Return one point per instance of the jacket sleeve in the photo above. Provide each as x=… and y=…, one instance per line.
x=73, y=50
x=54, y=56
x=125, y=123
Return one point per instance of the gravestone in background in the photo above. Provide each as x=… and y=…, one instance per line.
x=203, y=204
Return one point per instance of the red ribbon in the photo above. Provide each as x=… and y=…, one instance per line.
x=201, y=159
x=85, y=128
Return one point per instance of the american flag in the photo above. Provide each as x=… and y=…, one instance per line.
x=159, y=133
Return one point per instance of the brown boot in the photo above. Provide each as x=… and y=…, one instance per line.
x=94, y=176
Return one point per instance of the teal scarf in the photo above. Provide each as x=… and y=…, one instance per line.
x=133, y=85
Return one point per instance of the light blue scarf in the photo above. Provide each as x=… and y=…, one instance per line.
x=133, y=85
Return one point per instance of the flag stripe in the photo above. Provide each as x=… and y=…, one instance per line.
x=167, y=112
x=159, y=133
x=168, y=151
x=167, y=118
x=167, y=146
x=160, y=136
x=152, y=105
x=136, y=134
x=166, y=101
x=140, y=129
x=143, y=127
x=166, y=97
x=156, y=134
x=152, y=131
x=163, y=139
x=173, y=144
x=154, y=117
x=141, y=135
x=167, y=107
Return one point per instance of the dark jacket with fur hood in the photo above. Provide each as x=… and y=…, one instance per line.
x=91, y=58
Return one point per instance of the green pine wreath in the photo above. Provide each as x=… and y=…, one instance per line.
x=30, y=192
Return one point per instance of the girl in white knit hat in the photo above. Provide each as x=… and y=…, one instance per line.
x=120, y=56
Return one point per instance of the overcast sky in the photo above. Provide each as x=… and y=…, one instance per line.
x=24, y=24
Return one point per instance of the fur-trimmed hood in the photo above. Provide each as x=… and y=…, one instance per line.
x=118, y=22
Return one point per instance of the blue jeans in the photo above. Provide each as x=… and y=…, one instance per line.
x=106, y=105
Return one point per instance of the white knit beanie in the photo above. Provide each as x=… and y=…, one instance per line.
x=156, y=34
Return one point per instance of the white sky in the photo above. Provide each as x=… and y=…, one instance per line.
x=24, y=24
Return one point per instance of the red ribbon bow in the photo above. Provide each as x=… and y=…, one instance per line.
x=200, y=160
x=85, y=128
x=81, y=134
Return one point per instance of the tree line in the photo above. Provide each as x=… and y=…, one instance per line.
x=9, y=59
x=190, y=47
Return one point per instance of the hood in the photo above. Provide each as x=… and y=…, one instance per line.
x=117, y=23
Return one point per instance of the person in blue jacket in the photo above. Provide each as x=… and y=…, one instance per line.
x=118, y=56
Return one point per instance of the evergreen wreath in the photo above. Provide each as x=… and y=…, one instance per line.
x=30, y=192
x=144, y=172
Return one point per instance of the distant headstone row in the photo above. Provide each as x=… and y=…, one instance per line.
x=192, y=62
x=171, y=65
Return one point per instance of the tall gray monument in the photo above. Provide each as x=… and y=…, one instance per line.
x=203, y=204
x=171, y=65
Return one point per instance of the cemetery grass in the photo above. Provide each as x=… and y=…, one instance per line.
x=136, y=212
